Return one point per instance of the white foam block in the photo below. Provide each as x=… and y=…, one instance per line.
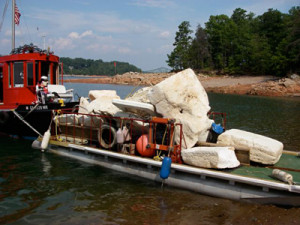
x=262, y=149
x=90, y=120
x=69, y=119
x=83, y=105
x=210, y=157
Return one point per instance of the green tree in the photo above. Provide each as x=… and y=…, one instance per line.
x=200, y=50
x=179, y=57
x=271, y=25
x=220, y=29
x=240, y=42
x=259, y=55
x=290, y=46
x=80, y=66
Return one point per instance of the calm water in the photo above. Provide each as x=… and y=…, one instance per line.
x=41, y=188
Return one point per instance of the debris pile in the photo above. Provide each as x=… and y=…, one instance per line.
x=183, y=98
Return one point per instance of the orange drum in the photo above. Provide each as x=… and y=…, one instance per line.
x=141, y=146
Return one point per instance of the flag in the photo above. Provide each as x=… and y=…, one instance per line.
x=17, y=15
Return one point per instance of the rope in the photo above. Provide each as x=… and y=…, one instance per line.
x=184, y=140
x=134, y=89
x=157, y=157
x=171, y=141
x=3, y=15
x=25, y=22
x=31, y=110
x=24, y=121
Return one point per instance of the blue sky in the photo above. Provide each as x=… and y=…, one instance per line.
x=140, y=32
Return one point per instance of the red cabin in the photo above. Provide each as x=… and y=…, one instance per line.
x=21, y=71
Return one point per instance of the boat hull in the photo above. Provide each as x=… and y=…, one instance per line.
x=39, y=119
x=205, y=181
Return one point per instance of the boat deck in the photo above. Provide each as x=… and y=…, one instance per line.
x=246, y=183
x=288, y=163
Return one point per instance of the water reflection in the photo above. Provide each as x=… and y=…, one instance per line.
x=46, y=164
x=278, y=118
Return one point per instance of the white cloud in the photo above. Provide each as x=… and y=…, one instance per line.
x=108, y=48
x=106, y=22
x=164, y=34
x=93, y=47
x=62, y=43
x=105, y=35
x=17, y=33
x=5, y=42
x=86, y=33
x=124, y=50
x=165, y=49
x=149, y=50
x=75, y=35
x=153, y=3
x=111, y=23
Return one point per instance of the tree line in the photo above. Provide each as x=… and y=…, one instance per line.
x=80, y=66
x=241, y=44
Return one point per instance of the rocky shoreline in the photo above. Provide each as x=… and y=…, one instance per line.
x=242, y=85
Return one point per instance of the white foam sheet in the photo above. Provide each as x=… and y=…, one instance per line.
x=139, y=108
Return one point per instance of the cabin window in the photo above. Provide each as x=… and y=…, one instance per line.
x=1, y=82
x=9, y=80
x=45, y=69
x=36, y=72
x=30, y=73
x=18, y=74
x=54, y=73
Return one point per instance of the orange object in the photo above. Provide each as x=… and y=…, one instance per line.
x=173, y=151
x=141, y=147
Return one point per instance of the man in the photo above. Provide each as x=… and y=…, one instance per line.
x=42, y=89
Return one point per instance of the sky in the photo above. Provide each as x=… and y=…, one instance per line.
x=140, y=32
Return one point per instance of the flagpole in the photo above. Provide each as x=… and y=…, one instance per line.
x=13, y=25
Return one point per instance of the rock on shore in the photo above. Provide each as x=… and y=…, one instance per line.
x=243, y=85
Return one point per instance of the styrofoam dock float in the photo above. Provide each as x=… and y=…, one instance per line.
x=135, y=107
x=244, y=183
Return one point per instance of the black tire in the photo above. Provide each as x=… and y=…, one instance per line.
x=107, y=136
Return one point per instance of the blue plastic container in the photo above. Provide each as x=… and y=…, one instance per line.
x=217, y=128
x=165, y=168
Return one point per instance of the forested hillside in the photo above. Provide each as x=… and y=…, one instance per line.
x=80, y=66
x=241, y=44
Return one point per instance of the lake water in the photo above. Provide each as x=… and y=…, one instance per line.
x=42, y=188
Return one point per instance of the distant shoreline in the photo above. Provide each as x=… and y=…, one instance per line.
x=241, y=85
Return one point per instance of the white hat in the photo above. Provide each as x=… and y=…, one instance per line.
x=44, y=78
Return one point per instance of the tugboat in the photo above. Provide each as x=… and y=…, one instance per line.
x=26, y=98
